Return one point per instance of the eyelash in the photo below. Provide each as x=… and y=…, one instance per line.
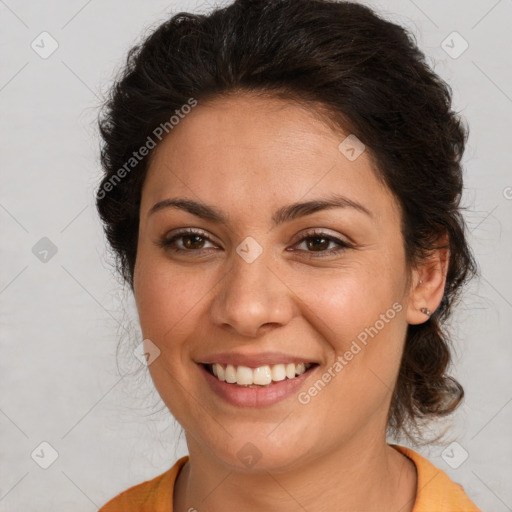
x=167, y=243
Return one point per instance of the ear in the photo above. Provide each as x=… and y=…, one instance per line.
x=428, y=283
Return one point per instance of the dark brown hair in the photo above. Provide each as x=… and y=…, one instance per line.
x=370, y=77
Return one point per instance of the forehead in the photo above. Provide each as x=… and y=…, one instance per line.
x=248, y=147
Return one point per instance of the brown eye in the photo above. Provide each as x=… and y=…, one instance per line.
x=192, y=241
x=317, y=243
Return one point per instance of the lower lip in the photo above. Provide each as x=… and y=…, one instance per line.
x=255, y=397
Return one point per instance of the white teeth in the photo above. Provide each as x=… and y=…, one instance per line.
x=244, y=376
x=230, y=374
x=221, y=375
x=278, y=372
x=261, y=376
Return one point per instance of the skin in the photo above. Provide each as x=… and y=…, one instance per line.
x=248, y=156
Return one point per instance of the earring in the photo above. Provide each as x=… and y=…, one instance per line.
x=425, y=311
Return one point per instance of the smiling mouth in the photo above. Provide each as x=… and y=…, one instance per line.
x=260, y=377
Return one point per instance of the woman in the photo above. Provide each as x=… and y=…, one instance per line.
x=282, y=186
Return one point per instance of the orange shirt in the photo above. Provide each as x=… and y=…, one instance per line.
x=436, y=492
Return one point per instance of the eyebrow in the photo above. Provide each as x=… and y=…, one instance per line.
x=282, y=215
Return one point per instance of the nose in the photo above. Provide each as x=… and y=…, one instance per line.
x=252, y=298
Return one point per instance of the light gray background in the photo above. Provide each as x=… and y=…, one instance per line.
x=61, y=320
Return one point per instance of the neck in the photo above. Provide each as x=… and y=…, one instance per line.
x=366, y=476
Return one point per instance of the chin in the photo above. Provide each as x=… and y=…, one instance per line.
x=253, y=457
x=260, y=447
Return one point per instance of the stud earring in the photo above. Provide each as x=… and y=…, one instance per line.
x=426, y=311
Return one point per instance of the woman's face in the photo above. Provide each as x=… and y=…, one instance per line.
x=260, y=282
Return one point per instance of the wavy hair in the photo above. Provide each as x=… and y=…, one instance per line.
x=369, y=77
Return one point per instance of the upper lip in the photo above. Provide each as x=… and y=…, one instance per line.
x=253, y=360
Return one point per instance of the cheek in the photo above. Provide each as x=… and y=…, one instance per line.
x=362, y=320
x=343, y=303
x=167, y=300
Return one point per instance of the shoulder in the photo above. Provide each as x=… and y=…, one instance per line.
x=436, y=491
x=148, y=495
